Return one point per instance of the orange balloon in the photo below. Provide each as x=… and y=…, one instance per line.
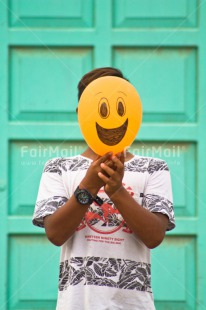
x=109, y=114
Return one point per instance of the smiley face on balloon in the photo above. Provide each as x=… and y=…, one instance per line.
x=109, y=114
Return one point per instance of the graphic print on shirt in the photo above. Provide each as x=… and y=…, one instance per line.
x=140, y=164
x=105, y=219
x=101, y=271
x=58, y=165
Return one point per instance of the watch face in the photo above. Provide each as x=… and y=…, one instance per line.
x=83, y=197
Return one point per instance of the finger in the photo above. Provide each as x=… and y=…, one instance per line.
x=122, y=157
x=118, y=155
x=103, y=158
x=103, y=177
x=107, y=169
x=110, y=164
x=119, y=164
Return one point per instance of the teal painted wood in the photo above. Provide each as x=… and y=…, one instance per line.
x=67, y=63
x=4, y=157
x=201, y=178
x=175, y=98
x=73, y=13
x=161, y=47
x=32, y=260
x=177, y=287
x=151, y=14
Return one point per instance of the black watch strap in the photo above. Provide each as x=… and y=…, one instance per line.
x=90, y=198
x=98, y=200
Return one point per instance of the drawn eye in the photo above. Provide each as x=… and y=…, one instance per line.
x=121, y=109
x=104, y=108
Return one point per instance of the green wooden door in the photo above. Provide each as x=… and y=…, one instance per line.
x=45, y=48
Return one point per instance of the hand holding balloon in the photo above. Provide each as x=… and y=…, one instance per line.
x=112, y=177
x=91, y=181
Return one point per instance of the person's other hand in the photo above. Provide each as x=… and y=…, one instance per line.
x=92, y=182
x=112, y=175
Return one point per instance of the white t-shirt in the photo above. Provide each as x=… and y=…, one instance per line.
x=104, y=265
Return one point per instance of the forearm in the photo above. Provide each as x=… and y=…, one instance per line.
x=148, y=226
x=61, y=225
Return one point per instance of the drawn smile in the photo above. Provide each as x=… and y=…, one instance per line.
x=112, y=136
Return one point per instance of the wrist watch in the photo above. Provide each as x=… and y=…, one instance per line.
x=84, y=197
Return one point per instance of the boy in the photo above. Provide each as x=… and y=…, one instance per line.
x=106, y=242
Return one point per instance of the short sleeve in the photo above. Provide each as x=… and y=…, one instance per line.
x=158, y=192
x=51, y=194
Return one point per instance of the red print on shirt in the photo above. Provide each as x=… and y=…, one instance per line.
x=105, y=219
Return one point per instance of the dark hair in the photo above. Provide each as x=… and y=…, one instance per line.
x=95, y=74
